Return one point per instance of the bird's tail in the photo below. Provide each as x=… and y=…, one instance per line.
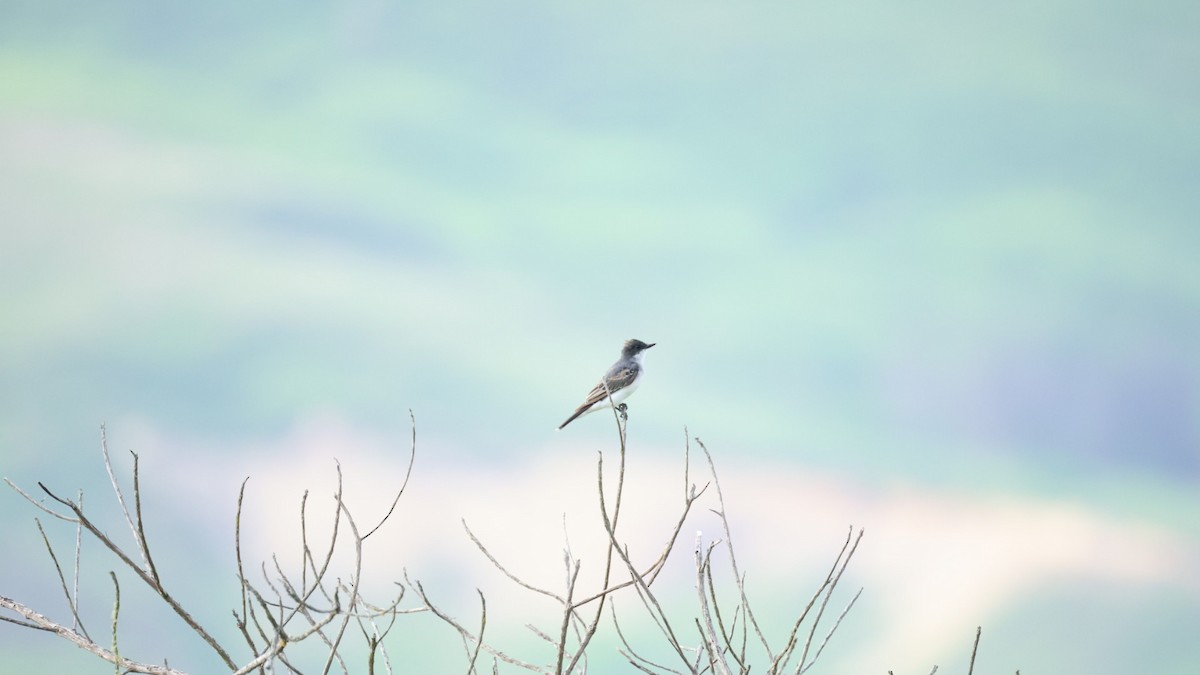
x=578, y=411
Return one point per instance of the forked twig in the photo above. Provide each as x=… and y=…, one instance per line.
x=716, y=653
x=737, y=574
x=467, y=636
x=116, y=486
x=838, y=622
x=482, y=626
x=635, y=659
x=71, y=601
x=830, y=584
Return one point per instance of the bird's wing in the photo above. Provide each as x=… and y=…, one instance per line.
x=618, y=377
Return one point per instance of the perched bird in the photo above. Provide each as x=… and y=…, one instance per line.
x=624, y=376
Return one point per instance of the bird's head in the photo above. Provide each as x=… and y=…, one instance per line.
x=633, y=348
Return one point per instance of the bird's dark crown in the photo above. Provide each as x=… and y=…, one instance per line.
x=634, y=347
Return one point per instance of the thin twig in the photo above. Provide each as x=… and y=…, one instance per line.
x=974, y=649
x=141, y=530
x=504, y=570
x=237, y=550
x=482, y=626
x=78, y=623
x=412, y=456
x=115, y=614
x=39, y=504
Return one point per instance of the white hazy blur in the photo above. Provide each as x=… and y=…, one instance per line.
x=933, y=564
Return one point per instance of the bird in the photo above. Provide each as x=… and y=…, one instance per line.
x=617, y=384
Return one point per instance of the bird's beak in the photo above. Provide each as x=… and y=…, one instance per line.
x=651, y=345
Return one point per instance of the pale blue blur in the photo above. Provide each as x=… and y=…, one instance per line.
x=952, y=246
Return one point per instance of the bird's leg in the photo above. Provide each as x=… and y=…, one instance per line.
x=622, y=408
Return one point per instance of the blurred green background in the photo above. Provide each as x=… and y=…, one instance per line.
x=945, y=248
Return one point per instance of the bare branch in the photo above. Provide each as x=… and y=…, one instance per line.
x=287, y=606
x=41, y=622
x=143, y=574
x=281, y=643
